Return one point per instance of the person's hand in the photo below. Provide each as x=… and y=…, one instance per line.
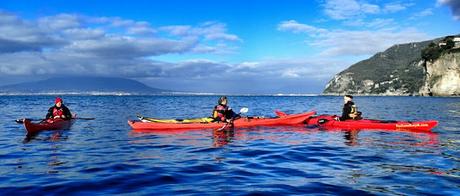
x=336, y=118
x=57, y=117
x=63, y=117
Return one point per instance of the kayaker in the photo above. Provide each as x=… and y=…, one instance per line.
x=223, y=113
x=349, y=111
x=59, y=110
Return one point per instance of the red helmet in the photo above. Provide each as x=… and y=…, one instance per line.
x=58, y=99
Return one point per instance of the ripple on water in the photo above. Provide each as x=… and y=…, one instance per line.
x=105, y=157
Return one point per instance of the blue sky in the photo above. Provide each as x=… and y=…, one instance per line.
x=211, y=46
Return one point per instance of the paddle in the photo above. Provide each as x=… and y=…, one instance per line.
x=21, y=121
x=243, y=110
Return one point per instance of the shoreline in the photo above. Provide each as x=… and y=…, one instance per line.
x=203, y=94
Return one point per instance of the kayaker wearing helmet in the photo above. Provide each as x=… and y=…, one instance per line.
x=59, y=110
x=349, y=111
x=223, y=113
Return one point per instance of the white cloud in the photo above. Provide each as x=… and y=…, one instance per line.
x=83, y=34
x=247, y=64
x=296, y=27
x=370, y=8
x=215, y=31
x=207, y=30
x=376, y=23
x=395, y=7
x=76, y=44
x=178, y=30
x=454, y=7
x=59, y=22
x=19, y=35
x=355, y=23
x=130, y=47
x=336, y=43
x=141, y=29
x=314, y=68
x=346, y=9
x=380, y=23
x=423, y=13
x=351, y=43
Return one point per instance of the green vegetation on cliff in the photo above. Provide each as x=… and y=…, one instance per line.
x=435, y=50
x=399, y=70
x=396, y=67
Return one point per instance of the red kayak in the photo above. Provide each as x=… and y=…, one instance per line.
x=292, y=119
x=56, y=124
x=328, y=121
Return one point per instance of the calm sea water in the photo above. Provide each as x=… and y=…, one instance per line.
x=105, y=156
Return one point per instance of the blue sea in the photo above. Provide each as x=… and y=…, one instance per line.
x=104, y=156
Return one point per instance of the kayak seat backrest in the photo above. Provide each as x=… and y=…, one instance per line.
x=323, y=120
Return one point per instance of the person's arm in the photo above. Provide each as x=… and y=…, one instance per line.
x=235, y=115
x=50, y=113
x=67, y=113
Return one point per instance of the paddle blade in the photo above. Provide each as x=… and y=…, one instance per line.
x=85, y=118
x=244, y=110
x=19, y=121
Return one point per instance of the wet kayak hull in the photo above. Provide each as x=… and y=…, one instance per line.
x=293, y=119
x=42, y=126
x=328, y=121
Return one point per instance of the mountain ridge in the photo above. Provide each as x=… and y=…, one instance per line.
x=83, y=85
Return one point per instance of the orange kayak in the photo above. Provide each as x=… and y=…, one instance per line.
x=292, y=119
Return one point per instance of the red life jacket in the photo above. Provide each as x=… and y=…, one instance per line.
x=219, y=112
x=58, y=112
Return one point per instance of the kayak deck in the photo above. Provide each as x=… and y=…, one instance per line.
x=327, y=121
x=293, y=119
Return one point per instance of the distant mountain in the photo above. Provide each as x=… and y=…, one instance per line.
x=421, y=68
x=82, y=85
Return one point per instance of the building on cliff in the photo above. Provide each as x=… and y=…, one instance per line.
x=457, y=42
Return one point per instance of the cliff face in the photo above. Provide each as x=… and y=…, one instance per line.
x=442, y=76
x=401, y=70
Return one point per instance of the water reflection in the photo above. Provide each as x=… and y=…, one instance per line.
x=54, y=137
x=54, y=160
x=408, y=138
x=222, y=137
x=295, y=135
x=351, y=137
x=48, y=144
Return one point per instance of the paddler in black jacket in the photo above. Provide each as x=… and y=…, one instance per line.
x=349, y=111
x=59, y=110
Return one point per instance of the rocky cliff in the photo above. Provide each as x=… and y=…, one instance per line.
x=442, y=76
x=403, y=69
